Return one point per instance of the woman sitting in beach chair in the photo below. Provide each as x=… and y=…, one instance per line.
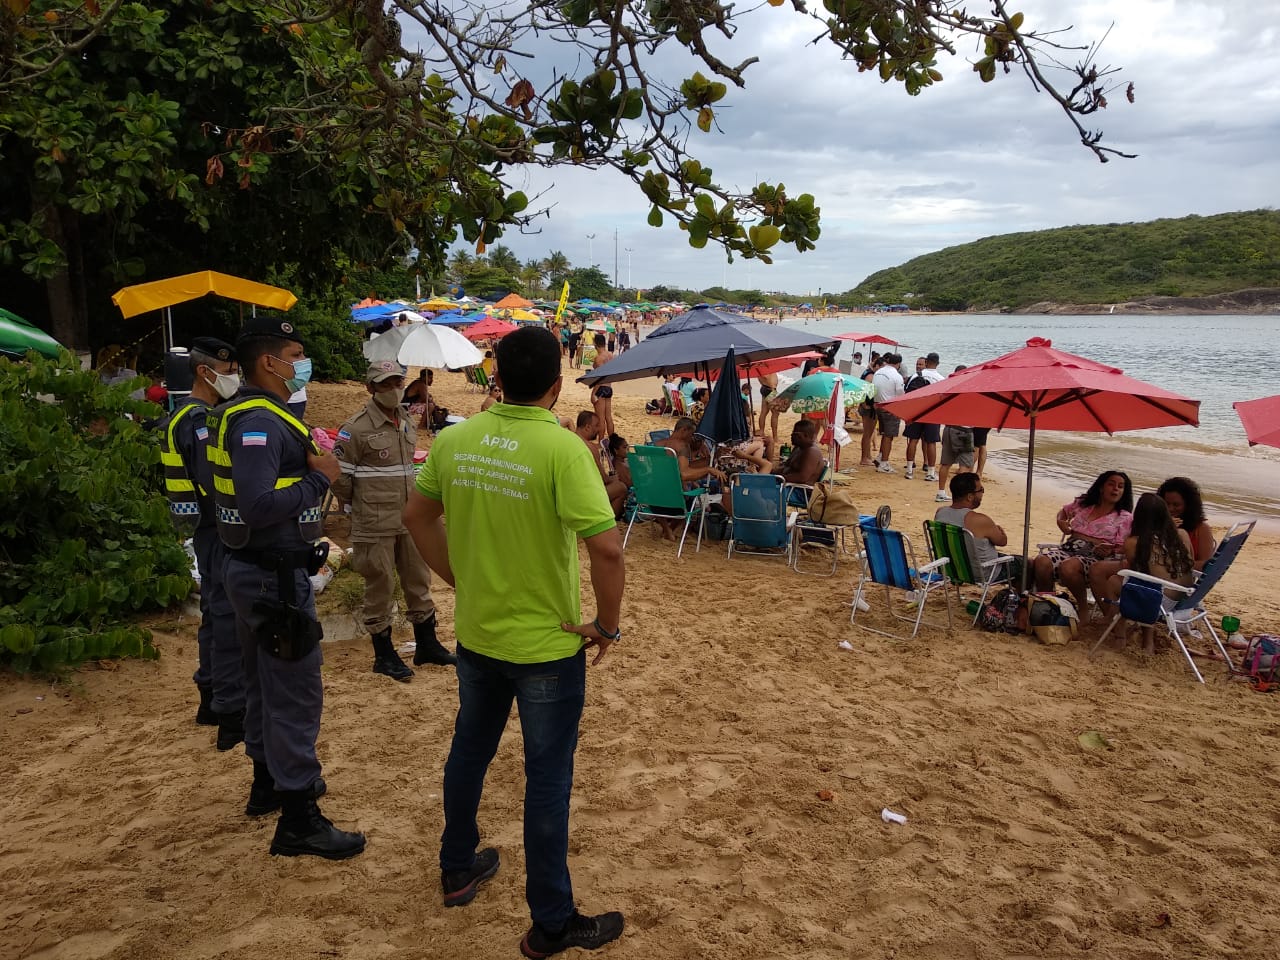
x=1094, y=527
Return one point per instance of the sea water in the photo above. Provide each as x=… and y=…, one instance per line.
x=1214, y=359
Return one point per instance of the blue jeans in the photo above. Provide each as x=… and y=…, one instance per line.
x=549, y=697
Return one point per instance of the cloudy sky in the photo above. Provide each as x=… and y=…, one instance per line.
x=898, y=176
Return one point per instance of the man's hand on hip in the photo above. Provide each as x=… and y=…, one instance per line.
x=592, y=637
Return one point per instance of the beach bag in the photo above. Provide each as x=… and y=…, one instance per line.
x=718, y=526
x=1262, y=657
x=1000, y=613
x=833, y=505
x=1051, y=618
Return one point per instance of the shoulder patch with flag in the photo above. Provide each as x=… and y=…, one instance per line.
x=253, y=440
x=344, y=434
x=202, y=433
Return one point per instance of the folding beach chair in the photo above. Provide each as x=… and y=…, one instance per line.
x=759, y=515
x=482, y=378
x=890, y=561
x=956, y=545
x=1143, y=600
x=656, y=435
x=660, y=494
x=469, y=374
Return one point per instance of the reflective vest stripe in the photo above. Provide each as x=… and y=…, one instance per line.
x=179, y=485
x=399, y=470
x=231, y=526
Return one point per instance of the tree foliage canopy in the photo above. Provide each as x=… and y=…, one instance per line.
x=139, y=137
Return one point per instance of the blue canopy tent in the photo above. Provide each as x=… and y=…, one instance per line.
x=455, y=318
x=376, y=314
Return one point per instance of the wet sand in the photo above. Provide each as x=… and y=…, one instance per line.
x=732, y=769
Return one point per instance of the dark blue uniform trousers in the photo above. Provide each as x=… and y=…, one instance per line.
x=221, y=665
x=283, y=698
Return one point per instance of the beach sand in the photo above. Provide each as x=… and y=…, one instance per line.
x=712, y=735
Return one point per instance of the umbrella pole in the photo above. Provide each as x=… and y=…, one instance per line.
x=1026, y=519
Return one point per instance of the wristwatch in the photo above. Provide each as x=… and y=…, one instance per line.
x=613, y=637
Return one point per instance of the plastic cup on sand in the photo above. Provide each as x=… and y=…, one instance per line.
x=888, y=816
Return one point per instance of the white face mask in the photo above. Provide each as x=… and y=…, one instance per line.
x=389, y=399
x=224, y=385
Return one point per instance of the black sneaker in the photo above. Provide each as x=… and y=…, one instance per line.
x=587, y=933
x=460, y=886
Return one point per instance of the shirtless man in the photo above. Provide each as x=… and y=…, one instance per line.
x=682, y=442
x=804, y=466
x=602, y=396
x=588, y=430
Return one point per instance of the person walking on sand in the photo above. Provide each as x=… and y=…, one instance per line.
x=522, y=637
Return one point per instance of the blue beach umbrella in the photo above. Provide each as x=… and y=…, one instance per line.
x=703, y=336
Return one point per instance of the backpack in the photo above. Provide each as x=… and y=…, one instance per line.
x=1000, y=613
x=918, y=382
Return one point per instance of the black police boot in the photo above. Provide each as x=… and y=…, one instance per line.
x=385, y=659
x=263, y=798
x=204, y=713
x=429, y=649
x=230, y=729
x=304, y=831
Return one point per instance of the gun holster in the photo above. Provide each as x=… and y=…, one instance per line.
x=287, y=631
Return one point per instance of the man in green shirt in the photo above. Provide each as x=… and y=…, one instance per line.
x=518, y=491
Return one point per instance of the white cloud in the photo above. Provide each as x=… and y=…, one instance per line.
x=897, y=176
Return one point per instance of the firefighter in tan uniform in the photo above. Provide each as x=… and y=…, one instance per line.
x=375, y=451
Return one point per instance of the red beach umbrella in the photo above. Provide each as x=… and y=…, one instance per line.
x=1040, y=388
x=868, y=338
x=490, y=328
x=1261, y=419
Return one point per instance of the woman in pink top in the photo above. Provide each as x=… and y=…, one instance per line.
x=1094, y=526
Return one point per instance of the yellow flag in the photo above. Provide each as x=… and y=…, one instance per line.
x=564, y=299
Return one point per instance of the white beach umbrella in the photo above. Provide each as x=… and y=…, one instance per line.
x=433, y=345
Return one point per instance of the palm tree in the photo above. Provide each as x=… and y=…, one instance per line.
x=555, y=267
x=531, y=277
x=459, y=265
x=504, y=258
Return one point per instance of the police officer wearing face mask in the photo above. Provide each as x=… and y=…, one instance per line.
x=269, y=480
x=375, y=449
x=188, y=482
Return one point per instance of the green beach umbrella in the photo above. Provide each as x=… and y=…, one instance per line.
x=17, y=337
x=812, y=394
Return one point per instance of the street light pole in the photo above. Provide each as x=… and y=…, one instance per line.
x=615, y=259
x=629, y=250
x=591, y=247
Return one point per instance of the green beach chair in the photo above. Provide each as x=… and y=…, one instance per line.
x=660, y=494
x=956, y=545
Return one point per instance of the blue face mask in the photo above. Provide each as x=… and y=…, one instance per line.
x=301, y=374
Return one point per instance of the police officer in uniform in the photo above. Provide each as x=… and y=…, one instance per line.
x=375, y=450
x=269, y=480
x=188, y=482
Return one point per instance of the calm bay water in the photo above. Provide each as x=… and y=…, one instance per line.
x=1215, y=359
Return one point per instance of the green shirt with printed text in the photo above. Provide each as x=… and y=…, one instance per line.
x=518, y=490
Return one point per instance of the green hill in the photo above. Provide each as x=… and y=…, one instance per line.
x=1104, y=263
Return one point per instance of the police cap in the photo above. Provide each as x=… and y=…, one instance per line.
x=268, y=326
x=220, y=350
x=381, y=370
